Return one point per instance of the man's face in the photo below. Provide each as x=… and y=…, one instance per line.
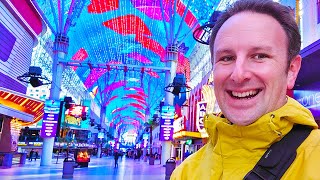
x=250, y=67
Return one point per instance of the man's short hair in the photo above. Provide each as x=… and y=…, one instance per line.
x=281, y=13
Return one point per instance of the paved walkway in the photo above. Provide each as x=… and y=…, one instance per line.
x=99, y=168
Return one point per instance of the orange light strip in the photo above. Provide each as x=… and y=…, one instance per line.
x=7, y=96
x=26, y=100
x=22, y=103
x=39, y=105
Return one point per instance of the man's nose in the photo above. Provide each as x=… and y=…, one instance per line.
x=240, y=72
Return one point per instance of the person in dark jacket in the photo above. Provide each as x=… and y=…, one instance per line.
x=116, y=157
x=31, y=154
x=36, y=155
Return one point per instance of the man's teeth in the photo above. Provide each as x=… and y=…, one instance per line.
x=244, y=94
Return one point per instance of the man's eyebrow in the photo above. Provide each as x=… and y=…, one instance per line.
x=253, y=48
x=223, y=51
x=257, y=48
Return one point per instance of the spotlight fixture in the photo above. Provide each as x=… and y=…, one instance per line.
x=203, y=33
x=34, y=77
x=178, y=86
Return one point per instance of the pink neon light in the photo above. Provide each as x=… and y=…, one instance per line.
x=136, y=105
x=114, y=86
x=80, y=55
x=101, y=6
x=183, y=66
x=111, y=99
x=152, y=73
x=128, y=24
x=141, y=102
x=119, y=109
x=94, y=76
x=139, y=57
x=134, y=96
x=139, y=113
x=152, y=45
x=153, y=10
x=142, y=94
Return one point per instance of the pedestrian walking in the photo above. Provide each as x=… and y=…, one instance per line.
x=36, y=155
x=116, y=157
x=31, y=154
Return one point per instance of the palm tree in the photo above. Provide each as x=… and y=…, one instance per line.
x=151, y=124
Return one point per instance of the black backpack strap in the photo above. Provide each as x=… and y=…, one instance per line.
x=278, y=158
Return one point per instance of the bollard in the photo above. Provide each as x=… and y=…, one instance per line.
x=170, y=166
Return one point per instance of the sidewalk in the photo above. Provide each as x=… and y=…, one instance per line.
x=99, y=168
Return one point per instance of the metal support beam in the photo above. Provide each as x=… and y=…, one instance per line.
x=54, y=16
x=164, y=19
x=181, y=22
x=116, y=66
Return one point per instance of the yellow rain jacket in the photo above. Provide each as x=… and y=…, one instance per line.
x=232, y=150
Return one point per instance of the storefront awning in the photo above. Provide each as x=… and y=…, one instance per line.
x=20, y=106
x=15, y=113
x=309, y=72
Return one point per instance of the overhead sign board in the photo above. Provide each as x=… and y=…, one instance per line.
x=50, y=118
x=166, y=123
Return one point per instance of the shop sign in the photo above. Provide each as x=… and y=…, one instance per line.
x=30, y=143
x=22, y=143
x=50, y=118
x=179, y=124
x=201, y=112
x=166, y=123
x=309, y=99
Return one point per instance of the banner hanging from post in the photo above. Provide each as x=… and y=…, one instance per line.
x=166, y=123
x=50, y=118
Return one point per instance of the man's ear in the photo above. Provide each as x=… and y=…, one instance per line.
x=293, y=71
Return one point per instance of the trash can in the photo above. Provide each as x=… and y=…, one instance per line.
x=170, y=166
x=23, y=157
x=68, y=168
x=151, y=160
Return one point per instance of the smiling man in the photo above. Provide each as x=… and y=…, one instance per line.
x=255, y=48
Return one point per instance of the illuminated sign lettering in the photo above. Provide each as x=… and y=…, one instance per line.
x=50, y=118
x=309, y=99
x=201, y=112
x=166, y=123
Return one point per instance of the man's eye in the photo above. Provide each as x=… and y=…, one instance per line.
x=226, y=58
x=260, y=56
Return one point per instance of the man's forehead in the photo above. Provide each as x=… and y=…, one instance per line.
x=259, y=30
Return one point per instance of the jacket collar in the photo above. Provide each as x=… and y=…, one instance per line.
x=262, y=133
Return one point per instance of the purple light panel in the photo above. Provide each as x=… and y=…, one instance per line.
x=95, y=74
x=7, y=41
